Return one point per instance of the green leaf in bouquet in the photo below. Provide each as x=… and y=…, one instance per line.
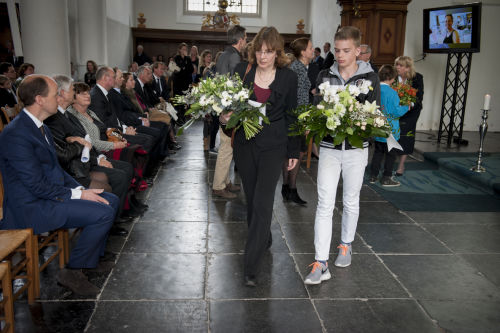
x=338, y=139
x=380, y=132
x=349, y=131
x=185, y=126
x=355, y=141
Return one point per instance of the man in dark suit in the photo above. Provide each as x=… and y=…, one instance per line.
x=146, y=95
x=159, y=83
x=7, y=69
x=328, y=56
x=318, y=59
x=101, y=105
x=40, y=195
x=129, y=116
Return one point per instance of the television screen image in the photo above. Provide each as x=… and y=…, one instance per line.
x=452, y=29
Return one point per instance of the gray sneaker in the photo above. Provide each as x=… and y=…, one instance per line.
x=344, y=257
x=389, y=182
x=319, y=273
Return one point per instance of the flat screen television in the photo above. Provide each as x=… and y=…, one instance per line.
x=452, y=29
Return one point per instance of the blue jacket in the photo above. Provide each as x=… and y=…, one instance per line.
x=389, y=104
x=35, y=185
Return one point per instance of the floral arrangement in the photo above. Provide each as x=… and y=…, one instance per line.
x=406, y=93
x=341, y=116
x=223, y=94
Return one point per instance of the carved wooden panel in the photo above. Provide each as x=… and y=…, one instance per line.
x=382, y=24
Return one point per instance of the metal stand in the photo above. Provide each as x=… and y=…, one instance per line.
x=456, y=83
x=483, y=128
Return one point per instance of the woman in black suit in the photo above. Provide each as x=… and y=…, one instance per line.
x=259, y=160
x=408, y=123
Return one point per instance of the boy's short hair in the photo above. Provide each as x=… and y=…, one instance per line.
x=349, y=32
x=387, y=72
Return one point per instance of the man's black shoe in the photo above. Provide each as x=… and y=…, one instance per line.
x=77, y=282
x=137, y=203
x=250, y=281
x=121, y=219
x=102, y=267
x=117, y=231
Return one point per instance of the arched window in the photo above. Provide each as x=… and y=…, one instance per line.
x=238, y=7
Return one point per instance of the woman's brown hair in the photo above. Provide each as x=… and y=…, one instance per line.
x=94, y=65
x=299, y=45
x=273, y=40
x=130, y=93
x=81, y=87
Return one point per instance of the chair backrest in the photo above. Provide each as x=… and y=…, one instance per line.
x=6, y=115
x=1, y=197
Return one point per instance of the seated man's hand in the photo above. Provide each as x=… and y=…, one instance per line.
x=130, y=130
x=105, y=163
x=93, y=195
x=80, y=140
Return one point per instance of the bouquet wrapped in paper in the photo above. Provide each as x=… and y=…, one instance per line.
x=406, y=93
x=223, y=94
x=341, y=116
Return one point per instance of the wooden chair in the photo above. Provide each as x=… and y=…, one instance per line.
x=6, y=115
x=57, y=238
x=1, y=196
x=21, y=241
x=7, y=303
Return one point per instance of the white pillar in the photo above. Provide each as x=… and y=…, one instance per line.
x=44, y=26
x=92, y=32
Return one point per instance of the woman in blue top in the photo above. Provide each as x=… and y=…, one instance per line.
x=389, y=102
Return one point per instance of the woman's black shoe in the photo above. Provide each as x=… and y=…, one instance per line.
x=285, y=192
x=294, y=196
x=250, y=281
x=135, y=202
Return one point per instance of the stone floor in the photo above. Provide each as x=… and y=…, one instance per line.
x=180, y=268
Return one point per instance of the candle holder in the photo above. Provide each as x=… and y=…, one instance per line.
x=483, y=128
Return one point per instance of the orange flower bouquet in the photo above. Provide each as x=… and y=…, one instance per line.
x=406, y=93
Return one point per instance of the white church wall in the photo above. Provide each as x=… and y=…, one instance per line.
x=484, y=69
x=120, y=17
x=325, y=18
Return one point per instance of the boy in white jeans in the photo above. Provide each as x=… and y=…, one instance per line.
x=344, y=158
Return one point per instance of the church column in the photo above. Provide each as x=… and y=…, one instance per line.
x=92, y=32
x=45, y=38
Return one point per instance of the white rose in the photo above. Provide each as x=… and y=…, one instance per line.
x=320, y=106
x=217, y=108
x=353, y=90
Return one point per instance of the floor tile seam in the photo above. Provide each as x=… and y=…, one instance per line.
x=258, y=299
x=364, y=299
x=149, y=221
x=297, y=269
x=411, y=296
x=428, y=232
x=387, y=268
x=183, y=299
x=136, y=220
x=207, y=254
x=162, y=252
x=228, y=222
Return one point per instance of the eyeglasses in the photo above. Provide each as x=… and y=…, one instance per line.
x=265, y=53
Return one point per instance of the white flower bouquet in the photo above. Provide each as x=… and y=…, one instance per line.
x=341, y=116
x=222, y=94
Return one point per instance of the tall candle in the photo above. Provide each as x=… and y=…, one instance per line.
x=487, y=99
